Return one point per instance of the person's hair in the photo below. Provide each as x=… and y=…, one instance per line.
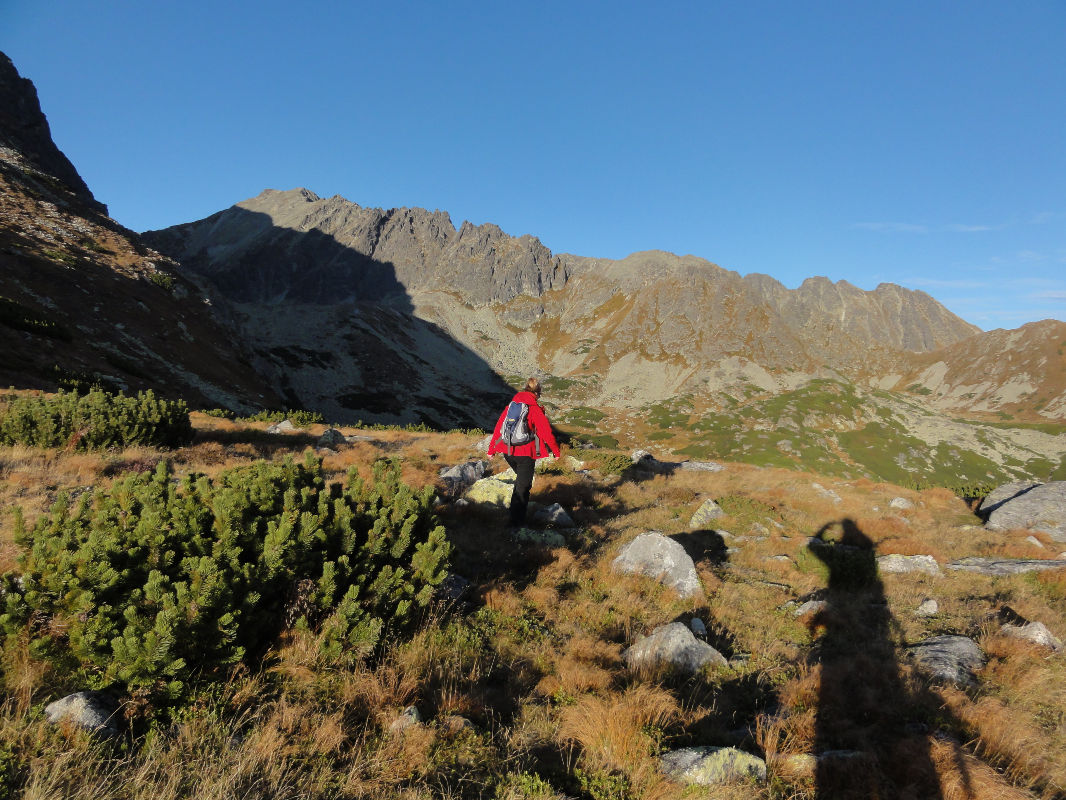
x=533, y=385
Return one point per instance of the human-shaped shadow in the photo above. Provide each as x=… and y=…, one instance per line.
x=869, y=741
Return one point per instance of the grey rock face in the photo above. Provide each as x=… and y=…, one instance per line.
x=1041, y=508
x=1004, y=566
x=92, y=711
x=1035, y=632
x=707, y=766
x=1001, y=494
x=898, y=564
x=672, y=645
x=949, y=658
x=660, y=558
x=705, y=514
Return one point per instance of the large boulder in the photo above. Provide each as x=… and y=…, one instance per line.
x=707, y=766
x=1001, y=494
x=660, y=558
x=1040, y=508
x=456, y=479
x=674, y=646
x=95, y=712
x=949, y=658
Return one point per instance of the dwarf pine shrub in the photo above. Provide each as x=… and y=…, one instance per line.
x=94, y=421
x=153, y=583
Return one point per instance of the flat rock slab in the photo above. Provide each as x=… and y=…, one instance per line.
x=949, y=658
x=708, y=766
x=91, y=711
x=660, y=558
x=1041, y=508
x=1005, y=566
x=896, y=563
x=673, y=645
x=701, y=466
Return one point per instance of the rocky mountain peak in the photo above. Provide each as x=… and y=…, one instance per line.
x=26, y=139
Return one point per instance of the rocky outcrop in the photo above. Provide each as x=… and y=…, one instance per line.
x=95, y=712
x=1004, y=566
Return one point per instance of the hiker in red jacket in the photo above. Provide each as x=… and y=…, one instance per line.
x=522, y=457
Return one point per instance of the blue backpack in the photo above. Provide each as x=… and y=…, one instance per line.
x=515, y=429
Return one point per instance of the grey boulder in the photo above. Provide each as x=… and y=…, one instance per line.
x=1035, y=632
x=705, y=514
x=673, y=646
x=1040, y=508
x=898, y=564
x=91, y=711
x=949, y=658
x=660, y=558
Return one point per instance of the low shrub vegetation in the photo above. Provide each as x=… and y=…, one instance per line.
x=94, y=421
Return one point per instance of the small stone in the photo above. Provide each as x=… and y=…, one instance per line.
x=285, y=426
x=1035, y=632
x=410, y=717
x=810, y=607
x=1034, y=541
x=698, y=628
x=708, y=511
x=928, y=608
x=332, y=438
x=545, y=538
x=554, y=515
x=901, y=503
x=91, y=711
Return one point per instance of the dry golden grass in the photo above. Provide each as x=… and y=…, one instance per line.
x=536, y=665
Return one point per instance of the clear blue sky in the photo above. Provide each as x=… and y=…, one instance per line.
x=918, y=143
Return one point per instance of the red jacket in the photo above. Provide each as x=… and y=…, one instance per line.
x=538, y=424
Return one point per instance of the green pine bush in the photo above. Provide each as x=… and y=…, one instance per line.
x=95, y=421
x=155, y=583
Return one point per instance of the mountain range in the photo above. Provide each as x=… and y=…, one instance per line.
x=397, y=316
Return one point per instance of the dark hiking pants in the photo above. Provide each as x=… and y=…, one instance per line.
x=523, y=467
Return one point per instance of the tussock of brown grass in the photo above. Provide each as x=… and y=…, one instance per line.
x=611, y=731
